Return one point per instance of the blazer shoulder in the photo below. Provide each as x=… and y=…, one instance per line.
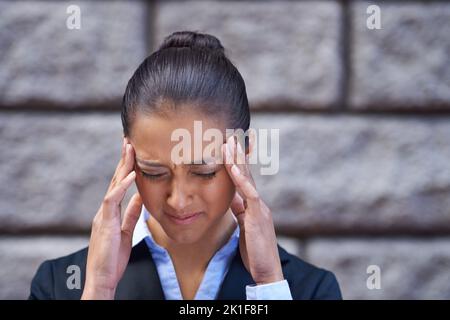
x=52, y=275
x=56, y=278
x=308, y=281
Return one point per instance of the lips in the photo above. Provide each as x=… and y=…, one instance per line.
x=185, y=218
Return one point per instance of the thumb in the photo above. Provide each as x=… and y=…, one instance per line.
x=132, y=213
x=238, y=208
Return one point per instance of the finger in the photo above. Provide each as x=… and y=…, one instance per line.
x=251, y=141
x=231, y=146
x=239, y=158
x=238, y=153
x=229, y=162
x=131, y=215
x=243, y=165
x=128, y=164
x=122, y=155
x=230, y=151
x=124, y=143
x=119, y=165
x=238, y=208
x=248, y=190
x=115, y=196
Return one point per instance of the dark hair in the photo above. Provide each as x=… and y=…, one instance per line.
x=188, y=68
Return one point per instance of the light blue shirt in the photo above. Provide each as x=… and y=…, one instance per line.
x=215, y=272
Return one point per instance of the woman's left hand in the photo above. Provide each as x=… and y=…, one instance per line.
x=257, y=240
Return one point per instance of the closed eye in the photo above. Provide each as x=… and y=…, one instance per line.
x=152, y=176
x=206, y=175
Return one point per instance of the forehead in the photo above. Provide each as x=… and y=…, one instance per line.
x=151, y=134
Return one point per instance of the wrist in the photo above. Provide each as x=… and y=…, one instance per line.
x=96, y=292
x=269, y=279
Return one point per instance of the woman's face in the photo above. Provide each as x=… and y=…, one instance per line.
x=169, y=190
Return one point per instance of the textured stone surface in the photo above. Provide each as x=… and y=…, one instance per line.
x=340, y=174
x=406, y=64
x=292, y=245
x=291, y=61
x=20, y=258
x=353, y=174
x=345, y=174
x=410, y=268
x=46, y=64
x=55, y=168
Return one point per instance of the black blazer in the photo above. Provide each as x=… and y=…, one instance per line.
x=141, y=280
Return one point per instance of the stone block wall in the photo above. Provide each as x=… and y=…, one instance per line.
x=364, y=119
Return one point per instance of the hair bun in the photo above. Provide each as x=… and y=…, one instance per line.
x=192, y=39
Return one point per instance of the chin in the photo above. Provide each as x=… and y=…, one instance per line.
x=186, y=237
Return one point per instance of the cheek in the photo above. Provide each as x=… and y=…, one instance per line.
x=219, y=193
x=152, y=195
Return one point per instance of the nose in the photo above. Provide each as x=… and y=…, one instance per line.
x=179, y=197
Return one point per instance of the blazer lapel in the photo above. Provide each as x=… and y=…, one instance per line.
x=141, y=280
x=233, y=286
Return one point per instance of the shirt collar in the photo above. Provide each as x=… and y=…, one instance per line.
x=141, y=231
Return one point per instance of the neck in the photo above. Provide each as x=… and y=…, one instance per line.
x=195, y=256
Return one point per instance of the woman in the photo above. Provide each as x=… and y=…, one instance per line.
x=206, y=232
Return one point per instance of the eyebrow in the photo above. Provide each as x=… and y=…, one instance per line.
x=149, y=163
x=155, y=163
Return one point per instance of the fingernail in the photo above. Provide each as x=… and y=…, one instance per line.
x=235, y=170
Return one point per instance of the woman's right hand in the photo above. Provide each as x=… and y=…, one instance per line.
x=111, y=237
